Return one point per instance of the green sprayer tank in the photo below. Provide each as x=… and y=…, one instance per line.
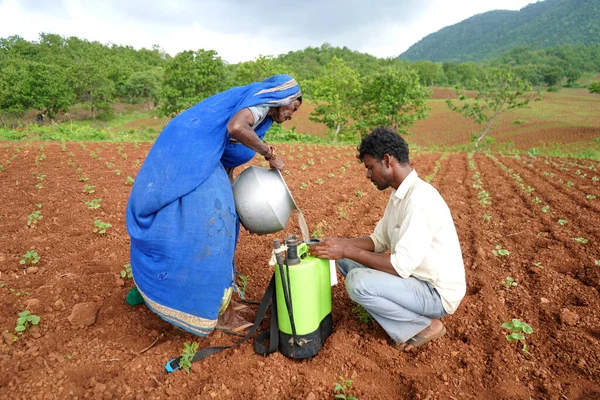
x=303, y=301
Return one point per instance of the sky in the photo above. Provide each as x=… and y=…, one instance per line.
x=242, y=30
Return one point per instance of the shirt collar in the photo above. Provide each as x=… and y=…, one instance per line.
x=406, y=184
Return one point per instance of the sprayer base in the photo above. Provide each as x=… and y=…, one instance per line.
x=310, y=344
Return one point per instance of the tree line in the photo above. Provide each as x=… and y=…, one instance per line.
x=353, y=91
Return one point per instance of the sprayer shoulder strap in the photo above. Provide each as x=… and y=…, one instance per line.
x=267, y=299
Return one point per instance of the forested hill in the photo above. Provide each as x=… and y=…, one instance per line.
x=543, y=24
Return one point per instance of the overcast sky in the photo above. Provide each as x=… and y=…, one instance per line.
x=241, y=30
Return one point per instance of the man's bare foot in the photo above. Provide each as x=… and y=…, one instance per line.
x=434, y=331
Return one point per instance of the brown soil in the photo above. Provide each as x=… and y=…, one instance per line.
x=557, y=292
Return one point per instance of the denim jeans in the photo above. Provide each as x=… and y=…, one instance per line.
x=403, y=307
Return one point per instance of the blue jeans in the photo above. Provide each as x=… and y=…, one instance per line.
x=403, y=307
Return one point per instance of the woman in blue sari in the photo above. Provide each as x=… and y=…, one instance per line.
x=181, y=214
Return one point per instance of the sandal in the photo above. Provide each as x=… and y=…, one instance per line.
x=418, y=341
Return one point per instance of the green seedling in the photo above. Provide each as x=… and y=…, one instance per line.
x=19, y=293
x=303, y=185
x=487, y=217
x=509, y=282
x=188, y=352
x=341, y=213
x=330, y=175
x=359, y=193
x=518, y=329
x=500, y=252
x=126, y=271
x=562, y=222
x=39, y=186
x=536, y=200
x=243, y=285
x=34, y=218
x=89, y=189
x=362, y=315
x=25, y=320
x=110, y=164
x=580, y=240
x=538, y=264
x=129, y=181
x=342, y=169
x=101, y=227
x=118, y=171
x=319, y=181
x=30, y=258
x=590, y=196
x=310, y=162
x=597, y=262
x=92, y=204
x=341, y=388
x=84, y=178
x=546, y=209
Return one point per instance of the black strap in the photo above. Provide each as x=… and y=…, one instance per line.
x=268, y=298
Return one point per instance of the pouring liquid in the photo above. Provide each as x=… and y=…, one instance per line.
x=303, y=226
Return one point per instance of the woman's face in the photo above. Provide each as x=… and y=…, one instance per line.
x=284, y=113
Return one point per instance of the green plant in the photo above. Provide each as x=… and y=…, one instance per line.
x=26, y=319
x=319, y=181
x=546, y=209
x=359, y=193
x=580, y=240
x=341, y=213
x=129, y=181
x=30, y=258
x=590, y=196
x=518, y=329
x=487, y=217
x=330, y=175
x=101, y=227
x=188, y=352
x=363, y=316
x=126, y=271
x=118, y=171
x=342, y=387
x=537, y=200
x=303, y=185
x=500, y=252
x=84, y=178
x=89, y=189
x=597, y=262
x=562, y=222
x=318, y=232
x=243, y=285
x=34, y=217
x=509, y=282
x=92, y=204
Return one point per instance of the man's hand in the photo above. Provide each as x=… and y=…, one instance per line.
x=329, y=248
x=276, y=163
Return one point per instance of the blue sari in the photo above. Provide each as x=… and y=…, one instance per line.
x=181, y=214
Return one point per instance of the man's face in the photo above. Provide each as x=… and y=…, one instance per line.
x=284, y=113
x=378, y=172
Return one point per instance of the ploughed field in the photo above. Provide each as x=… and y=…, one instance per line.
x=544, y=212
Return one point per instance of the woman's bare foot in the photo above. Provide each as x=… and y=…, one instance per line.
x=230, y=322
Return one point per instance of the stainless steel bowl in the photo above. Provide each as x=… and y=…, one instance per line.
x=262, y=200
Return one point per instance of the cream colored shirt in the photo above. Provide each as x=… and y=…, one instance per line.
x=418, y=229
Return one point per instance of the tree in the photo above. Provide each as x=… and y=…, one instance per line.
x=144, y=86
x=256, y=71
x=15, y=88
x=92, y=85
x=594, y=87
x=190, y=77
x=50, y=89
x=497, y=92
x=336, y=91
x=393, y=98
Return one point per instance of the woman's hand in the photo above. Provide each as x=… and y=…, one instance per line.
x=276, y=163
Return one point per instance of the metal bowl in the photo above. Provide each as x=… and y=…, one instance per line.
x=262, y=200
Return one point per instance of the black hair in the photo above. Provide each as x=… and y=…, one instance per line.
x=383, y=141
x=299, y=99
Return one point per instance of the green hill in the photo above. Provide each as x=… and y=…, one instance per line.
x=543, y=24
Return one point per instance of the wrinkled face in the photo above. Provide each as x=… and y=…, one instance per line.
x=284, y=113
x=378, y=172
